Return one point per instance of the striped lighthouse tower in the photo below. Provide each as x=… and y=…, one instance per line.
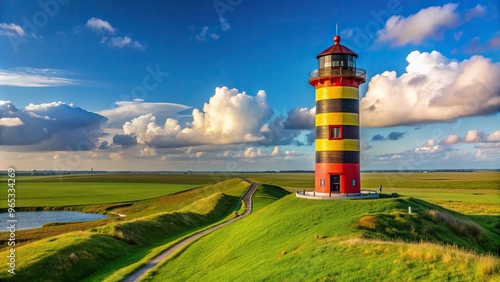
x=337, y=120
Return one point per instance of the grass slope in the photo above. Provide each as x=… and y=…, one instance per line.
x=300, y=240
x=75, y=255
x=267, y=194
x=169, y=203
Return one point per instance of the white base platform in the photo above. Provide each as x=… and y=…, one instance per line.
x=365, y=194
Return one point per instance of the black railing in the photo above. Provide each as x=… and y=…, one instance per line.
x=337, y=71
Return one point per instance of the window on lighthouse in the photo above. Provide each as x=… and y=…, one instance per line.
x=335, y=132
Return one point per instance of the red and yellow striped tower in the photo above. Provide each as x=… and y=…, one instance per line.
x=337, y=120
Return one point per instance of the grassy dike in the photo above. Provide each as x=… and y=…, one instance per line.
x=75, y=255
x=295, y=239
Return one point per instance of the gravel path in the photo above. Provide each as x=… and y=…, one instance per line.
x=247, y=199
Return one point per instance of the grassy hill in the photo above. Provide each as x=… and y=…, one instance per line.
x=283, y=239
x=303, y=240
x=75, y=255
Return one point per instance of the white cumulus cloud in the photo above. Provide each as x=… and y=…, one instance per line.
x=275, y=151
x=103, y=26
x=120, y=42
x=249, y=153
x=229, y=117
x=11, y=121
x=474, y=136
x=415, y=28
x=100, y=25
x=53, y=126
x=494, y=137
x=450, y=140
x=11, y=29
x=433, y=89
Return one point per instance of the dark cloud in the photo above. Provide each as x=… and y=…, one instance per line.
x=395, y=135
x=278, y=134
x=300, y=118
x=51, y=127
x=104, y=145
x=311, y=137
x=125, y=139
x=391, y=136
x=378, y=137
x=285, y=130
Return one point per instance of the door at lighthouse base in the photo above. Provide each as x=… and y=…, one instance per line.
x=334, y=183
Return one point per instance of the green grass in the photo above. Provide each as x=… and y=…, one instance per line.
x=175, y=178
x=41, y=194
x=133, y=210
x=299, y=180
x=431, y=180
x=467, y=192
x=68, y=256
x=303, y=240
x=266, y=195
x=173, y=202
x=73, y=190
x=287, y=237
x=73, y=256
x=434, y=180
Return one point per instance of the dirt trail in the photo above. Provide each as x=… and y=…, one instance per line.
x=247, y=199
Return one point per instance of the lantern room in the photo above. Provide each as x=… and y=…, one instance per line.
x=337, y=60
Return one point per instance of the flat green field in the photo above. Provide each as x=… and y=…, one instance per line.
x=74, y=190
x=174, y=178
x=430, y=180
x=42, y=194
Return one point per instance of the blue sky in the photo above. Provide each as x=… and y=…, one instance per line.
x=203, y=85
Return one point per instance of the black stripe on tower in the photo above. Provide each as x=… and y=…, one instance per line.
x=348, y=132
x=337, y=157
x=337, y=105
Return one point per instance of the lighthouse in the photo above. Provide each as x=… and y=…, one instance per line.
x=337, y=81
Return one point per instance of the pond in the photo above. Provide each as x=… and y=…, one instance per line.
x=36, y=219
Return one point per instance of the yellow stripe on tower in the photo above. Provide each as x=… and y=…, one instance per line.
x=337, y=118
x=337, y=145
x=337, y=92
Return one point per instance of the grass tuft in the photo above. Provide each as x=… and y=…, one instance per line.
x=461, y=226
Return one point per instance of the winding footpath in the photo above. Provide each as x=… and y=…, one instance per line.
x=247, y=199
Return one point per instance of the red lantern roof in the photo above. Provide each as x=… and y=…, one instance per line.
x=337, y=48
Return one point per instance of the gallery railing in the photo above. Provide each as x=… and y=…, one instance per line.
x=338, y=71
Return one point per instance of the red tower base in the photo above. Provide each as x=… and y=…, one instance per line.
x=327, y=173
